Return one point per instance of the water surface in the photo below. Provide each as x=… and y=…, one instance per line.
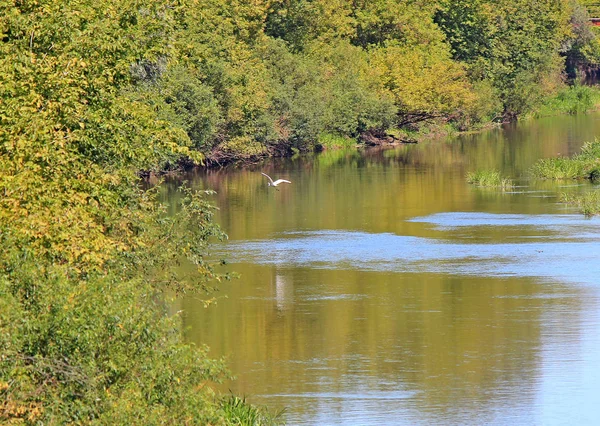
x=380, y=288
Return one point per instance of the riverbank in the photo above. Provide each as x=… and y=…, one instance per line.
x=570, y=100
x=287, y=78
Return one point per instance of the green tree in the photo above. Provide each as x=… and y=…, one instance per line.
x=513, y=44
x=87, y=254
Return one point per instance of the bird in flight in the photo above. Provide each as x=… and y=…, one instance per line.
x=275, y=183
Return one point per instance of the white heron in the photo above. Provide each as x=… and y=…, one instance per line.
x=275, y=183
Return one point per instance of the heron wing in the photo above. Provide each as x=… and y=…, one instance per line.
x=268, y=177
x=278, y=181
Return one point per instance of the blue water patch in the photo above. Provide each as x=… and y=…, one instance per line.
x=572, y=254
x=566, y=222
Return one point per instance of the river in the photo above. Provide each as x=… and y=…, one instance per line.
x=380, y=288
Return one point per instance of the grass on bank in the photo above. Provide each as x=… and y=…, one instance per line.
x=240, y=412
x=489, y=178
x=558, y=168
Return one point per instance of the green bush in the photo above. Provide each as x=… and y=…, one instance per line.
x=324, y=89
x=191, y=104
x=330, y=140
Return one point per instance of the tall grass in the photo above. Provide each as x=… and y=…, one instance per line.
x=237, y=411
x=585, y=165
x=575, y=99
x=489, y=178
x=590, y=151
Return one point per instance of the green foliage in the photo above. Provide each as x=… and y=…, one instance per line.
x=489, y=178
x=87, y=255
x=467, y=26
x=218, y=43
x=299, y=22
x=355, y=100
x=423, y=80
x=380, y=21
x=592, y=7
x=400, y=65
x=100, y=349
x=264, y=77
x=581, y=47
x=239, y=412
x=589, y=151
x=325, y=89
x=183, y=100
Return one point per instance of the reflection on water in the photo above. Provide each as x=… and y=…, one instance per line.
x=284, y=292
x=380, y=288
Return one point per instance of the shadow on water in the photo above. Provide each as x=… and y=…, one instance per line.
x=380, y=288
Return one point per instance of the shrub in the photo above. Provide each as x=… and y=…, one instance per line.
x=87, y=255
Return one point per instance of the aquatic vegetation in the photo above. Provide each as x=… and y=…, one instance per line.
x=588, y=203
x=558, y=168
x=489, y=178
x=590, y=151
x=585, y=165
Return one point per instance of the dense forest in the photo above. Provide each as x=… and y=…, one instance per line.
x=93, y=92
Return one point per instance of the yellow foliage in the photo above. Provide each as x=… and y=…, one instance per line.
x=16, y=413
x=424, y=80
